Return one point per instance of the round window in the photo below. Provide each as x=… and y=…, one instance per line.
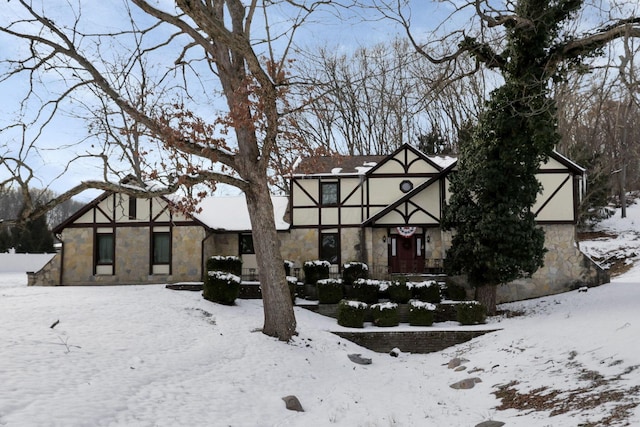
x=406, y=186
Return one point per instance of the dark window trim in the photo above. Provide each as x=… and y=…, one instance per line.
x=133, y=207
x=338, y=246
x=324, y=184
x=96, y=251
x=241, y=247
x=154, y=235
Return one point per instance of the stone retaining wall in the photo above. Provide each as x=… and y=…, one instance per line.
x=410, y=341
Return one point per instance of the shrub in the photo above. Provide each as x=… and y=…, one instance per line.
x=292, y=282
x=351, y=313
x=471, y=313
x=426, y=291
x=229, y=264
x=454, y=292
x=366, y=290
x=221, y=287
x=399, y=291
x=421, y=313
x=353, y=271
x=288, y=266
x=329, y=291
x=385, y=314
x=315, y=270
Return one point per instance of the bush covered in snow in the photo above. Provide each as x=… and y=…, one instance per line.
x=421, y=313
x=428, y=291
x=315, y=270
x=230, y=264
x=385, y=314
x=366, y=290
x=351, y=313
x=221, y=287
x=353, y=271
x=329, y=291
x=288, y=266
x=292, y=282
x=399, y=292
x=471, y=313
x=454, y=292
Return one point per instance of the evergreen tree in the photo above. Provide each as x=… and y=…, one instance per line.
x=496, y=239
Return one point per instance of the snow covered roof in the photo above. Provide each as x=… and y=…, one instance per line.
x=232, y=214
x=336, y=165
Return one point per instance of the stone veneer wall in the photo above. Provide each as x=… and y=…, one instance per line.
x=565, y=268
x=77, y=255
x=187, y=253
x=48, y=275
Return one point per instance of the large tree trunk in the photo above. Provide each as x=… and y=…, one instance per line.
x=279, y=319
x=486, y=295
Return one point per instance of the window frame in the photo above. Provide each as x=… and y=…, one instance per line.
x=156, y=258
x=335, y=194
x=243, y=248
x=133, y=207
x=101, y=260
x=322, y=254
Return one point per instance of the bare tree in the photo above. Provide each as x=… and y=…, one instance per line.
x=206, y=52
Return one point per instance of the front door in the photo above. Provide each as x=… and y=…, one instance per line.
x=406, y=254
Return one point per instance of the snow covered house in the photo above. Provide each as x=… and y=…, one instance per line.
x=118, y=239
x=386, y=210
x=381, y=210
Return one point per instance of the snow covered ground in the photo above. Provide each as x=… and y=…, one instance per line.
x=148, y=356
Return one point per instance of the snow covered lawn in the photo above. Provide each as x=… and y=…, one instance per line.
x=148, y=356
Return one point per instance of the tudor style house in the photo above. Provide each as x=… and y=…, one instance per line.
x=381, y=210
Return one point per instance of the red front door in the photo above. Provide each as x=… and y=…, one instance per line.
x=406, y=254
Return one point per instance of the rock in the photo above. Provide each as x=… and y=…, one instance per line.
x=490, y=423
x=395, y=352
x=292, y=403
x=460, y=368
x=466, y=383
x=455, y=362
x=356, y=358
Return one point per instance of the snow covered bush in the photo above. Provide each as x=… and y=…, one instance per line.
x=288, y=266
x=315, y=270
x=454, y=292
x=471, y=313
x=421, y=313
x=385, y=314
x=221, y=287
x=428, y=291
x=351, y=313
x=329, y=291
x=353, y=271
x=292, y=282
x=230, y=264
x=399, y=292
x=366, y=290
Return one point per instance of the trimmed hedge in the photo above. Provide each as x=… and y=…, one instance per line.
x=329, y=291
x=229, y=264
x=471, y=313
x=454, y=292
x=288, y=266
x=385, y=314
x=221, y=287
x=351, y=313
x=421, y=313
x=315, y=270
x=426, y=291
x=366, y=290
x=353, y=271
x=399, y=292
x=292, y=282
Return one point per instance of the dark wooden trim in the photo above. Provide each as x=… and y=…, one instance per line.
x=558, y=188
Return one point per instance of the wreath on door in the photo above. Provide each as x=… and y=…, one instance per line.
x=406, y=231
